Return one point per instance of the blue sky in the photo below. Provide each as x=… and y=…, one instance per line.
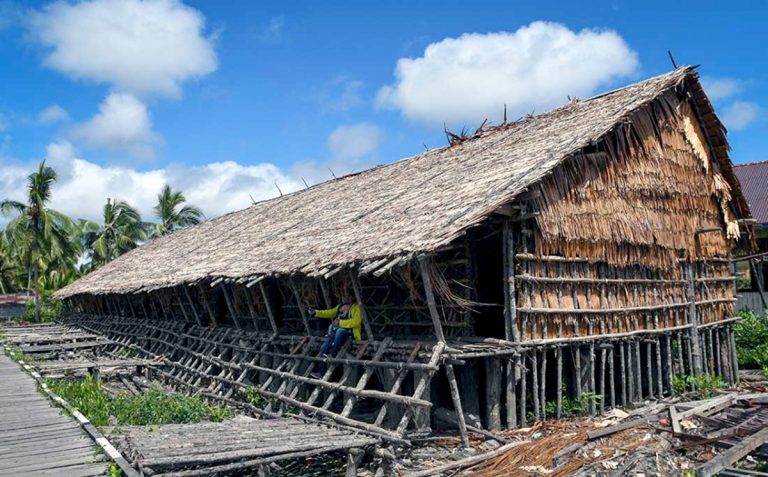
x=225, y=99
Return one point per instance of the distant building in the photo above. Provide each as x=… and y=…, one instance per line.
x=12, y=305
x=754, y=183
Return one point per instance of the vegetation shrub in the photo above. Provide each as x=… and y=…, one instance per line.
x=751, y=335
x=154, y=407
x=49, y=308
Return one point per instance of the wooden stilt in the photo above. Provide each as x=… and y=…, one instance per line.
x=492, y=394
x=543, y=383
x=511, y=392
x=559, y=351
x=359, y=297
x=454, y=387
x=268, y=306
x=535, y=384
x=523, y=372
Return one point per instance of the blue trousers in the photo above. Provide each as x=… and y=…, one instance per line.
x=335, y=341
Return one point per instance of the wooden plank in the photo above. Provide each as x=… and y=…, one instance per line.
x=734, y=454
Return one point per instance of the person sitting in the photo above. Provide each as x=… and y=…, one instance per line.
x=346, y=320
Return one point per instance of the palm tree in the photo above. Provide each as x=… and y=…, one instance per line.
x=172, y=213
x=41, y=236
x=11, y=272
x=121, y=231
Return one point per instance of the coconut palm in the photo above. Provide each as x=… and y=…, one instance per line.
x=121, y=231
x=172, y=212
x=41, y=236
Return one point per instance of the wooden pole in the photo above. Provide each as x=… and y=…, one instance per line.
x=433, y=313
x=191, y=305
x=511, y=383
x=204, y=299
x=492, y=394
x=300, y=304
x=359, y=298
x=230, y=307
x=455, y=397
x=693, y=331
x=270, y=312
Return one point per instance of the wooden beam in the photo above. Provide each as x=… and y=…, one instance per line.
x=428, y=291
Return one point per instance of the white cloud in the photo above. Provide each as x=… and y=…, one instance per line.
x=536, y=67
x=721, y=88
x=354, y=141
x=83, y=186
x=739, y=114
x=136, y=45
x=273, y=32
x=341, y=95
x=122, y=125
x=52, y=114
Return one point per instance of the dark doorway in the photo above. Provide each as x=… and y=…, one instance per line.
x=489, y=280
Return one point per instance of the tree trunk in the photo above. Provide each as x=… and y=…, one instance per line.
x=37, y=293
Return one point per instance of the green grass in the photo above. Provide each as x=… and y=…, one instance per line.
x=155, y=407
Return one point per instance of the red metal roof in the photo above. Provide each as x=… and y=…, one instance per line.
x=754, y=184
x=13, y=299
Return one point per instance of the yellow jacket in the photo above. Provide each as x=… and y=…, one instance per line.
x=354, y=322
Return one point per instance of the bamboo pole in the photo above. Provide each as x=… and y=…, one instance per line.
x=270, y=312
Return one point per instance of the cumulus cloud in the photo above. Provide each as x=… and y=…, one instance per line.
x=122, y=125
x=138, y=46
x=739, y=115
x=354, y=141
x=721, y=88
x=52, y=114
x=83, y=186
x=536, y=67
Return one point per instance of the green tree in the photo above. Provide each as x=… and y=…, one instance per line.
x=43, y=238
x=121, y=231
x=11, y=269
x=173, y=213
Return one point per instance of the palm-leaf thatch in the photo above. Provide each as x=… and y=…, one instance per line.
x=417, y=204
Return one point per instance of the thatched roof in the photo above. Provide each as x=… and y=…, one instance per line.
x=414, y=205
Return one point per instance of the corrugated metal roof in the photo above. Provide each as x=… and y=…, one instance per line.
x=754, y=185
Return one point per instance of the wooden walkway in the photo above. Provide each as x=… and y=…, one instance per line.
x=232, y=446
x=35, y=438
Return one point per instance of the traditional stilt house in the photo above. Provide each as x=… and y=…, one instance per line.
x=581, y=251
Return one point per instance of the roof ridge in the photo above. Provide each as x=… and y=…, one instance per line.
x=754, y=163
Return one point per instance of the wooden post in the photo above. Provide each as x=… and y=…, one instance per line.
x=492, y=394
x=326, y=293
x=511, y=383
x=693, y=320
x=181, y=303
x=302, y=311
x=204, y=299
x=510, y=322
x=270, y=312
x=251, y=308
x=510, y=297
x=457, y=404
x=191, y=305
x=433, y=313
x=559, y=351
x=359, y=298
x=523, y=410
x=230, y=307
